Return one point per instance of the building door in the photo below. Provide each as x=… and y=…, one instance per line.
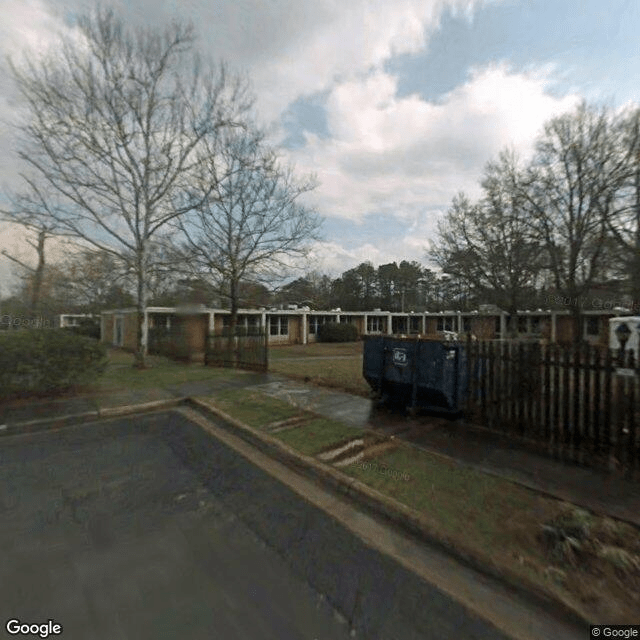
x=118, y=331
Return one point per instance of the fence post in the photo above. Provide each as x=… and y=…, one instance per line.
x=631, y=416
x=597, y=405
x=483, y=379
x=491, y=383
x=587, y=400
x=545, y=396
x=576, y=439
x=607, y=416
x=566, y=405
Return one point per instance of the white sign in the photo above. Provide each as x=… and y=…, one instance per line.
x=400, y=357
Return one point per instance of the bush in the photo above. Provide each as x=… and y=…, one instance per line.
x=337, y=332
x=171, y=343
x=34, y=361
x=87, y=327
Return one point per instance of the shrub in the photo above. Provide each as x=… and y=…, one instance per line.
x=337, y=332
x=171, y=343
x=87, y=327
x=34, y=361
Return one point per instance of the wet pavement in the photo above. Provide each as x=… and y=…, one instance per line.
x=345, y=407
x=148, y=527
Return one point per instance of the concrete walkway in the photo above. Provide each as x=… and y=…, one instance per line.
x=601, y=492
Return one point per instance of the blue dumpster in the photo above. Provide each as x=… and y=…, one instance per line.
x=429, y=374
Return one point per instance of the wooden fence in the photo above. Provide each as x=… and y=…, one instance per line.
x=575, y=403
x=240, y=351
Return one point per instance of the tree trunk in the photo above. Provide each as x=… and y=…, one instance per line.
x=141, y=342
x=233, y=320
x=38, y=274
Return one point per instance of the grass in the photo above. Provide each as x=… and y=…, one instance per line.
x=253, y=408
x=489, y=516
x=162, y=372
x=317, y=435
x=311, y=434
x=316, y=349
x=312, y=363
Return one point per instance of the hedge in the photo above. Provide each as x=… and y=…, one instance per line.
x=89, y=328
x=337, y=332
x=34, y=361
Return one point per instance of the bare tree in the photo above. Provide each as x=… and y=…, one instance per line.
x=624, y=217
x=253, y=221
x=569, y=190
x=488, y=245
x=34, y=209
x=116, y=123
x=96, y=280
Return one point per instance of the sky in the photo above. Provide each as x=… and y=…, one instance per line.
x=394, y=105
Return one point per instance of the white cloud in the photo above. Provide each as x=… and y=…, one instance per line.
x=404, y=155
x=327, y=40
x=333, y=258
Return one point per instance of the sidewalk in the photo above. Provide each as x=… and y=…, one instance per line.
x=598, y=491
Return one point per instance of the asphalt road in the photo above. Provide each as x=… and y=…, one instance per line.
x=148, y=527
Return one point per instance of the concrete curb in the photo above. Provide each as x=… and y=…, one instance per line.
x=395, y=512
x=52, y=424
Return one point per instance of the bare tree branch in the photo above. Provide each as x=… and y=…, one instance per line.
x=120, y=122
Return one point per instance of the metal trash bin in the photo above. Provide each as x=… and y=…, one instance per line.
x=429, y=374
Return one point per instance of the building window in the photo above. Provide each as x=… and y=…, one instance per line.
x=466, y=325
x=522, y=324
x=446, y=324
x=535, y=324
x=498, y=325
x=279, y=326
x=375, y=324
x=415, y=324
x=315, y=322
x=399, y=325
x=591, y=326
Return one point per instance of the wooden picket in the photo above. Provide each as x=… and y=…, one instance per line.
x=573, y=403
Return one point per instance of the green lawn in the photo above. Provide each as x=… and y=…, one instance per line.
x=316, y=349
x=121, y=374
x=334, y=365
x=253, y=408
